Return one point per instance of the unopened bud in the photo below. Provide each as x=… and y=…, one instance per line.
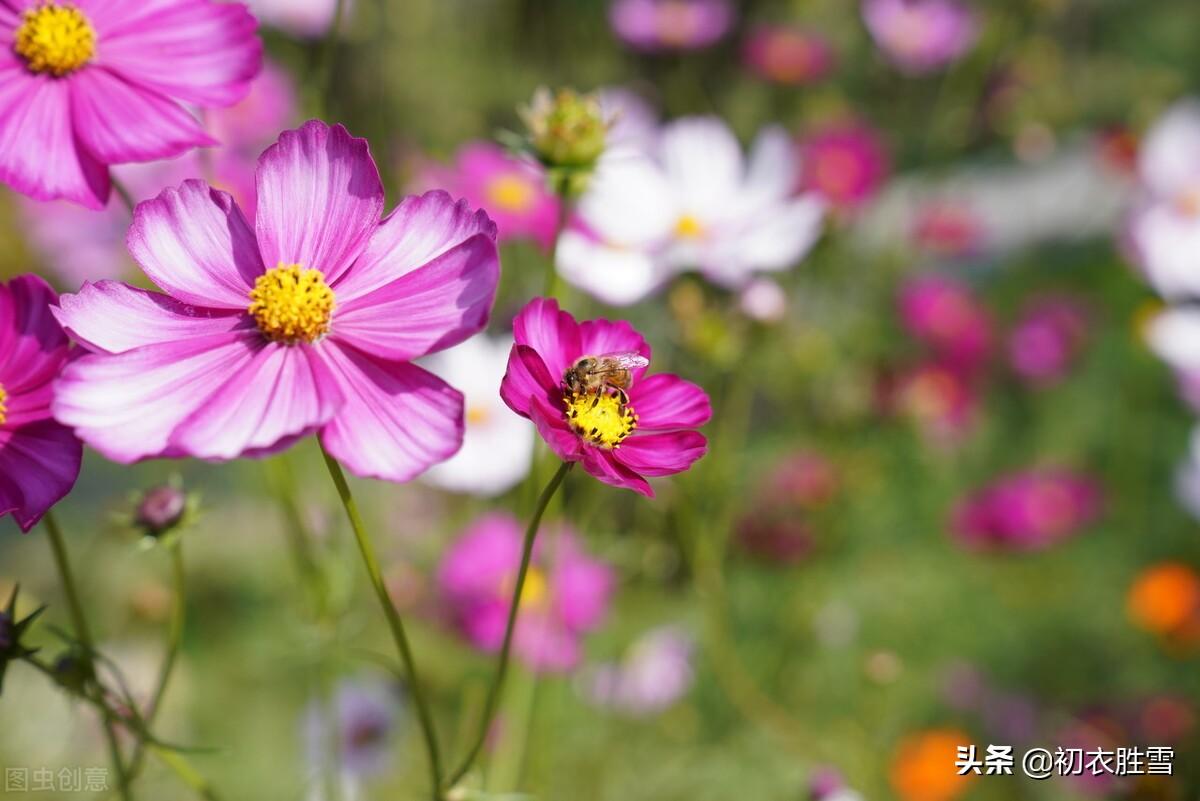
x=72, y=671
x=160, y=509
x=567, y=129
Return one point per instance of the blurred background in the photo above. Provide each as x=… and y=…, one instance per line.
x=946, y=499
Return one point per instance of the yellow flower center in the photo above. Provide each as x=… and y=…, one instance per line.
x=510, y=193
x=54, y=38
x=534, y=594
x=688, y=227
x=291, y=304
x=3, y=406
x=600, y=417
x=478, y=415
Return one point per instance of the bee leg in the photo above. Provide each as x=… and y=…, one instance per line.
x=622, y=396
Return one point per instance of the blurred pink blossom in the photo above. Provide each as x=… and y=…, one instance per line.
x=655, y=673
x=846, y=163
x=920, y=36
x=1027, y=511
x=1046, y=339
x=945, y=315
x=788, y=55
x=938, y=397
x=566, y=592
x=306, y=19
x=948, y=230
x=656, y=25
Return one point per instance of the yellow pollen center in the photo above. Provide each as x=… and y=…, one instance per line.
x=510, y=193
x=3, y=405
x=600, y=417
x=478, y=415
x=54, y=38
x=688, y=227
x=291, y=304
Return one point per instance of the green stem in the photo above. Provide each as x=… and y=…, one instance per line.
x=493, y=696
x=371, y=562
x=328, y=55
x=79, y=623
x=560, y=225
x=174, y=642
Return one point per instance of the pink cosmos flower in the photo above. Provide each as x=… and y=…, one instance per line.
x=948, y=230
x=1027, y=511
x=39, y=459
x=654, y=25
x=239, y=357
x=945, y=315
x=920, y=36
x=620, y=437
x=655, y=673
x=92, y=83
x=511, y=190
x=566, y=592
x=846, y=163
x=1047, y=338
x=938, y=397
x=788, y=55
x=80, y=244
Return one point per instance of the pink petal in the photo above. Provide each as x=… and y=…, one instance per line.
x=196, y=245
x=552, y=333
x=398, y=419
x=32, y=346
x=603, y=465
x=114, y=317
x=429, y=309
x=118, y=122
x=552, y=426
x=128, y=405
x=598, y=337
x=543, y=644
x=526, y=379
x=39, y=154
x=665, y=401
x=196, y=51
x=419, y=231
x=319, y=199
x=582, y=591
x=284, y=392
x=38, y=467
x=662, y=454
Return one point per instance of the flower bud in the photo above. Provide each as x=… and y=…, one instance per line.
x=72, y=671
x=566, y=129
x=160, y=509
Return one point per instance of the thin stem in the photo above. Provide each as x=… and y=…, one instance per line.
x=564, y=212
x=371, y=562
x=171, y=656
x=328, y=54
x=493, y=697
x=79, y=623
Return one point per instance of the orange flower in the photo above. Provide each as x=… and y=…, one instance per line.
x=923, y=767
x=1165, y=598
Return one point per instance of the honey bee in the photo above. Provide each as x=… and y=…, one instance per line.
x=610, y=371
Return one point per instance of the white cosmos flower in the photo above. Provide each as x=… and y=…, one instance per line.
x=497, y=445
x=692, y=201
x=1164, y=225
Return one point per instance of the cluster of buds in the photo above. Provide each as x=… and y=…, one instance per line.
x=566, y=133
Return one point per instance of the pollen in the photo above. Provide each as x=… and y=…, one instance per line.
x=601, y=418
x=3, y=406
x=55, y=38
x=291, y=304
x=510, y=193
x=688, y=227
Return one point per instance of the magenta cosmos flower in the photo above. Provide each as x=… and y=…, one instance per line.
x=620, y=437
x=91, y=83
x=1027, y=511
x=846, y=163
x=788, y=55
x=39, y=459
x=305, y=323
x=944, y=314
x=566, y=592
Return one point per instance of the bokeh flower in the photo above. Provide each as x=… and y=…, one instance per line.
x=497, y=449
x=512, y=190
x=923, y=768
x=239, y=358
x=653, y=675
x=96, y=83
x=945, y=315
x=1047, y=338
x=620, y=436
x=363, y=715
x=1027, y=511
x=948, y=230
x=788, y=55
x=920, y=36
x=940, y=398
x=846, y=163
x=39, y=458
x=306, y=19
x=566, y=593
x=694, y=202
x=1164, y=599
x=657, y=25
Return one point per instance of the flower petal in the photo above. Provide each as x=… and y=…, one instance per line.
x=114, y=317
x=39, y=464
x=429, y=309
x=703, y=162
x=526, y=378
x=605, y=466
x=196, y=51
x=119, y=122
x=616, y=275
x=419, y=231
x=664, y=401
x=32, y=345
x=127, y=405
x=553, y=428
x=319, y=199
x=662, y=454
x=194, y=243
x=39, y=154
x=398, y=419
x=552, y=333
x=282, y=393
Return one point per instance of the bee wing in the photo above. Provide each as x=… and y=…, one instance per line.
x=628, y=360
